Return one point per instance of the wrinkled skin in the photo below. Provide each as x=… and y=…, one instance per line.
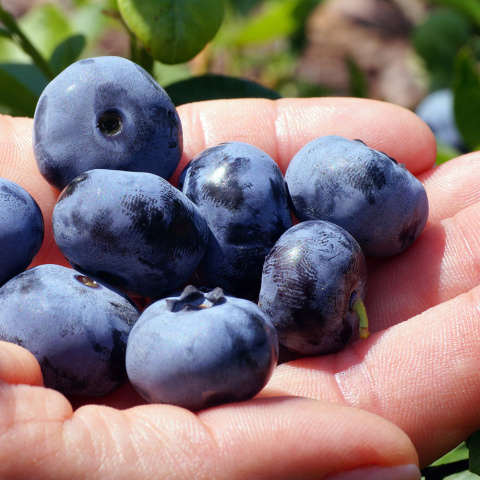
x=391, y=393
x=309, y=280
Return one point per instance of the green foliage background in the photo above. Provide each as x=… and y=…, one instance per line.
x=178, y=42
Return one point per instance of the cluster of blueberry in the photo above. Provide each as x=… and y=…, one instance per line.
x=107, y=136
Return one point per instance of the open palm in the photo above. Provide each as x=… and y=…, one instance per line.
x=406, y=395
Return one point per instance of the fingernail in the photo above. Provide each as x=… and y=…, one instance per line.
x=375, y=472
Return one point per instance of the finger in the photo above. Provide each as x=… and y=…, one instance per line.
x=421, y=375
x=18, y=365
x=452, y=186
x=268, y=438
x=440, y=265
x=282, y=127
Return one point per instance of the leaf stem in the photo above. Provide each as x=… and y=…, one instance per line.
x=139, y=54
x=19, y=37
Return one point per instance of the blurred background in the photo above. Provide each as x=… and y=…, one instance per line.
x=398, y=51
x=296, y=47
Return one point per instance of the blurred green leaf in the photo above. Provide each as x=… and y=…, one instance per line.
x=173, y=31
x=47, y=25
x=5, y=33
x=20, y=87
x=358, y=79
x=90, y=20
x=458, y=453
x=466, y=90
x=169, y=74
x=244, y=7
x=437, y=40
x=67, y=52
x=276, y=19
x=469, y=8
x=18, y=37
x=211, y=87
x=446, y=152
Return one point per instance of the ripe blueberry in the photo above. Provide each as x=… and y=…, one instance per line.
x=382, y=205
x=21, y=229
x=241, y=192
x=201, y=349
x=133, y=230
x=75, y=327
x=437, y=111
x=313, y=283
x=105, y=112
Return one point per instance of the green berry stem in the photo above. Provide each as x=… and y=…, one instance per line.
x=359, y=308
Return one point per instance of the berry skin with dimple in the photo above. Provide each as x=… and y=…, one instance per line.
x=75, y=327
x=313, y=284
x=241, y=192
x=380, y=203
x=133, y=230
x=21, y=229
x=105, y=112
x=200, y=349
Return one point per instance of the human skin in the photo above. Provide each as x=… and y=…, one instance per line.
x=406, y=395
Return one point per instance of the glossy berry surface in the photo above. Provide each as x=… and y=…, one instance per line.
x=198, y=350
x=382, y=205
x=311, y=278
x=76, y=328
x=105, y=112
x=133, y=230
x=241, y=192
x=21, y=229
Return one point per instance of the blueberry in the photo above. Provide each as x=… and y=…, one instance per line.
x=313, y=283
x=241, y=192
x=75, y=327
x=198, y=350
x=21, y=229
x=437, y=111
x=132, y=230
x=382, y=205
x=105, y=112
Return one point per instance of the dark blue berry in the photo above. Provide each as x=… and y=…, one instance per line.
x=382, y=205
x=131, y=229
x=21, y=229
x=105, y=112
x=198, y=350
x=313, y=284
x=241, y=192
x=76, y=328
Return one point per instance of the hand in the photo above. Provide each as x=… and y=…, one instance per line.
x=405, y=396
